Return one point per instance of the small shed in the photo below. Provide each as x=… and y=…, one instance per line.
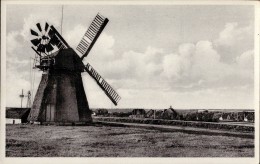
x=17, y=115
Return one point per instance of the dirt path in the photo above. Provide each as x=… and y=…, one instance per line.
x=190, y=130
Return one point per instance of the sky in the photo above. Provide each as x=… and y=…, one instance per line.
x=154, y=56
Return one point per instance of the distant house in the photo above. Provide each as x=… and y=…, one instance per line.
x=191, y=116
x=232, y=116
x=138, y=113
x=249, y=116
x=226, y=117
x=217, y=117
x=17, y=115
x=158, y=114
x=169, y=114
x=101, y=112
x=239, y=116
x=150, y=113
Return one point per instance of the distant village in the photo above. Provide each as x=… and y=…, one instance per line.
x=186, y=115
x=20, y=115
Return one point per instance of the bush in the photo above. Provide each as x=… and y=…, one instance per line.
x=191, y=117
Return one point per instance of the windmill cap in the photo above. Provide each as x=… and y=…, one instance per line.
x=67, y=59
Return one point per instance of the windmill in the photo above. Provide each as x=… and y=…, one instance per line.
x=60, y=97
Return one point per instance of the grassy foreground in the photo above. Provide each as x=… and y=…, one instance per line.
x=115, y=141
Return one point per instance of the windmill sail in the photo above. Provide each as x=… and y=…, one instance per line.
x=109, y=91
x=57, y=39
x=90, y=37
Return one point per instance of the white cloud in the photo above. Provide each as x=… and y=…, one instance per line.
x=177, y=66
x=194, y=62
x=74, y=36
x=206, y=62
x=103, y=49
x=192, y=67
x=233, y=34
x=233, y=40
x=228, y=35
x=172, y=66
x=246, y=60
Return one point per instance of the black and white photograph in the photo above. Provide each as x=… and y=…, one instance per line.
x=130, y=79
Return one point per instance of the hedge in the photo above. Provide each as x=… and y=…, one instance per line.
x=198, y=124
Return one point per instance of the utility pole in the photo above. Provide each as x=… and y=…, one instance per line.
x=28, y=105
x=28, y=99
x=22, y=96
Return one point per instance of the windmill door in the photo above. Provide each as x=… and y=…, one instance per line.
x=50, y=112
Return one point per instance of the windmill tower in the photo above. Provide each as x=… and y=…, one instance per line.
x=28, y=105
x=60, y=97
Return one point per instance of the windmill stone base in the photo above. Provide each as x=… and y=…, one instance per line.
x=60, y=98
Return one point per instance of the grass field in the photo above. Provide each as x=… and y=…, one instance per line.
x=115, y=141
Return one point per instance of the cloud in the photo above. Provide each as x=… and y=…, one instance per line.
x=74, y=36
x=198, y=70
x=206, y=62
x=177, y=66
x=194, y=63
x=103, y=50
x=233, y=40
x=246, y=60
x=191, y=67
x=137, y=65
x=233, y=34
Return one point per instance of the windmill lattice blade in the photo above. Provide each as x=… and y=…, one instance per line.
x=109, y=91
x=92, y=34
x=46, y=26
x=57, y=39
x=34, y=33
x=51, y=33
x=54, y=40
x=36, y=41
x=39, y=27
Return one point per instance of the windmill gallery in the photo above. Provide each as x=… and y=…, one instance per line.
x=60, y=97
